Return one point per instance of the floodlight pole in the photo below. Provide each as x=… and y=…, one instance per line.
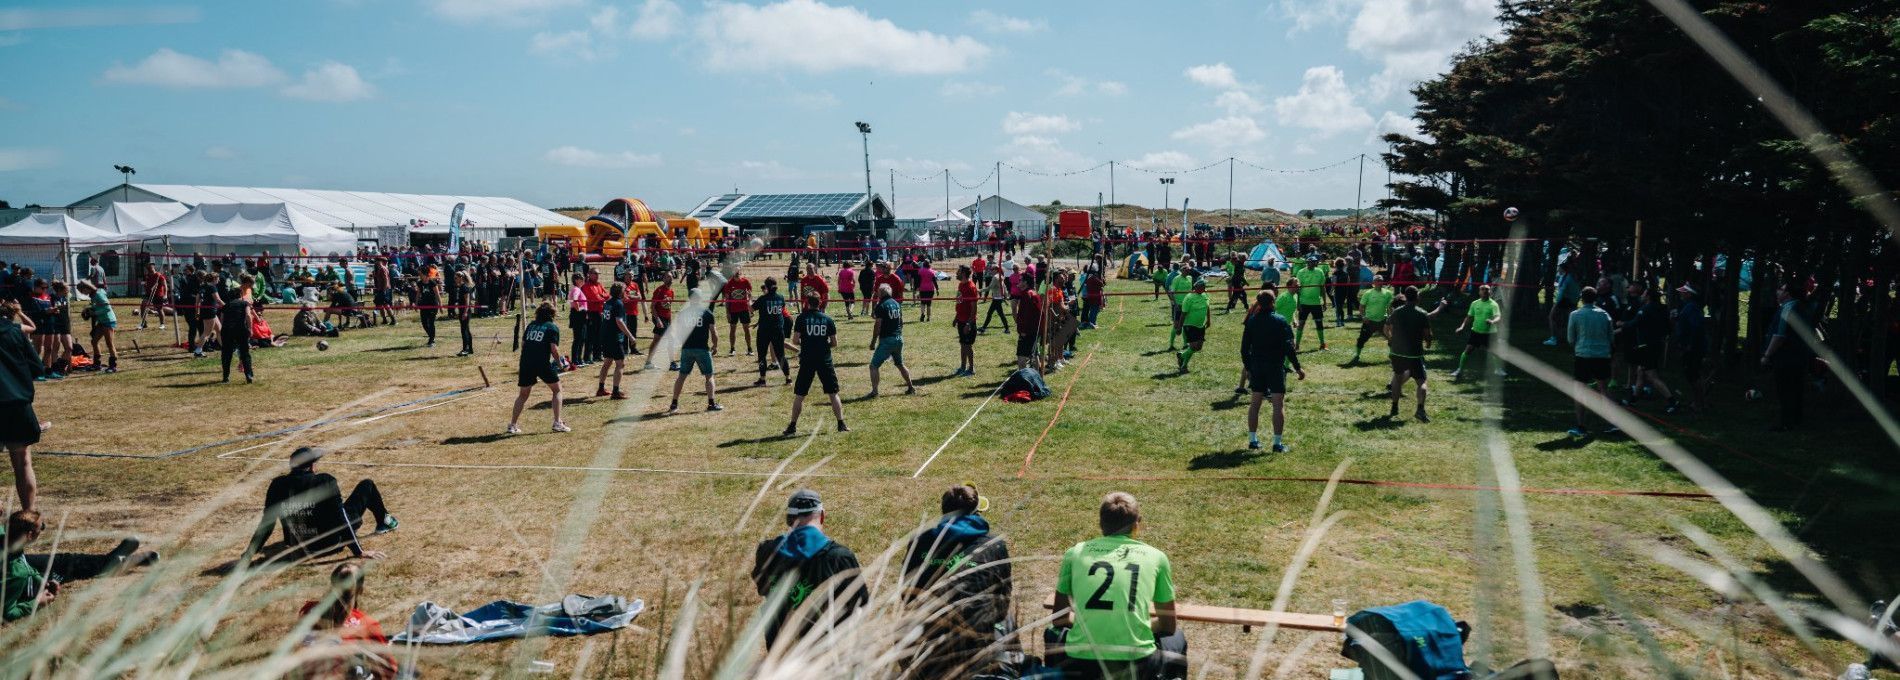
x=864, y=133
x=1359, y=194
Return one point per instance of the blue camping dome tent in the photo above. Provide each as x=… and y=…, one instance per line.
x=1257, y=260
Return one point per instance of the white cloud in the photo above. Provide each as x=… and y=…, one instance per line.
x=89, y=17
x=1311, y=14
x=1415, y=39
x=767, y=170
x=1019, y=123
x=1392, y=121
x=1324, y=103
x=1239, y=103
x=496, y=10
x=168, y=68
x=1223, y=133
x=811, y=36
x=1218, y=76
x=658, y=20
x=605, y=19
x=991, y=21
x=576, y=44
x=954, y=89
x=26, y=159
x=1072, y=85
x=1045, y=154
x=576, y=157
x=221, y=153
x=331, y=82
x=1164, y=160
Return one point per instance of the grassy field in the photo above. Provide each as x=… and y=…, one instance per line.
x=642, y=505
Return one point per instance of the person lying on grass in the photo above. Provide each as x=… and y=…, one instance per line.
x=316, y=516
x=29, y=583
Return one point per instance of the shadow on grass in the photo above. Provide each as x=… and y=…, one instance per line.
x=1565, y=443
x=181, y=386
x=1228, y=403
x=745, y=441
x=1168, y=375
x=429, y=358
x=1383, y=422
x=403, y=348
x=570, y=401
x=476, y=439
x=1157, y=352
x=1224, y=460
x=932, y=380
x=279, y=556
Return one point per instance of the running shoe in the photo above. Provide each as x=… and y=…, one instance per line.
x=601, y=391
x=562, y=427
x=1612, y=430
x=673, y=366
x=714, y=406
x=758, y=383
x=1241, y=391
x=389, y=524
x=910, y=390
x=1550, y=342
x=842, y=427
x=1253, y=444
x=514, y=429
x=673, y=406
x=1577, y=432
x=618, y=396
x=1280, y=448
x=790, y=431
x=1454, y=375
x=1420, y=415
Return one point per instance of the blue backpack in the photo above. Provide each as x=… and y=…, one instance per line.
x=1419, y=634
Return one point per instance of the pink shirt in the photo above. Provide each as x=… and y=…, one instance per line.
x=847, y=279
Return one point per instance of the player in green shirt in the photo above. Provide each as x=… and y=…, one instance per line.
x=1178, y=287
x=1288, y=305
x=1374, y=303
x=1108, y=587
x=1312, y=297
x=1482, y=318
x=1160, y=277
x=1195, y=321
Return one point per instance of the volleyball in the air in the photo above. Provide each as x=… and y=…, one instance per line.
x=323, y=345
x=1510, y=214
x=1752, y=394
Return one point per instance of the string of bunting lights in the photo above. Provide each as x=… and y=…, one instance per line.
x=1122, y=164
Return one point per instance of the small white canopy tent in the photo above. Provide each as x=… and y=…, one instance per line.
x=43, y=240
x=127, y=218
x=276, y=228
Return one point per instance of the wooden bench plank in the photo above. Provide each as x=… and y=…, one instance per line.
x=1245, y=618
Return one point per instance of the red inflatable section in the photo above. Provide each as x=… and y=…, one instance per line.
x=1073, y=224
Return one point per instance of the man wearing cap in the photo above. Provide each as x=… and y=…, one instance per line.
x=795, y=564
x=317, y=518
x=1692, y=340
x=959, y=567
x=1312, y=294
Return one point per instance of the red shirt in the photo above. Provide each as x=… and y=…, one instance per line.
x=1029, y=314
x=978, y=264
x=966, y=302
x=662, y=298
x=738, y=294
x=596, y=296
x=359, y=627
x=817, y=283
x=889, y=279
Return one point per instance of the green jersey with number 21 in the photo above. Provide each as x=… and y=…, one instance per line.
x=1113, y=582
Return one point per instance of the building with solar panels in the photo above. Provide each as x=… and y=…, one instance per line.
x=853, y=216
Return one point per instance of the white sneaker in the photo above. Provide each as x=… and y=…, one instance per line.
x=514, y=429
x=562, y=427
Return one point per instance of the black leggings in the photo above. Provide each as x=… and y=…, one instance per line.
x=468, y=338
x=74, y=566
x=194, y=327
x=997, y=309
x=428, y=324
x=364, y=497
x=242, y=347
x=591, y=344
x=772, y=347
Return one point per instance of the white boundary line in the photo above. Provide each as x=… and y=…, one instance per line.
x=960, y=428
x=569, y=468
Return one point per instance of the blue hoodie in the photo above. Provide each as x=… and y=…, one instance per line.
x=803, y=543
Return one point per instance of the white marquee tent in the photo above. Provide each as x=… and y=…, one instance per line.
x=276, y=228
x=126, y=218
x=388, y=217
x=40, y=240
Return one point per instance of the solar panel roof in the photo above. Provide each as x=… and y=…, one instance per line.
x=794, y=205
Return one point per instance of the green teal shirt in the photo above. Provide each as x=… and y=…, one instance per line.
x=1377, y=302
x=18, y=584
x=1312, y=285
x=1194, y=310
x=1113, y=584
x=1481, y=312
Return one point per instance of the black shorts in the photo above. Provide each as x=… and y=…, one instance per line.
x=966, y=332
x=1646, y=356
x=1479, y=340
x=1177, y=313
x=611, y=346
x=1370, y=328
x=827, y=378
x=1194, y=334
x=385, y=298
x=18, y=424
x=1692, y=365
x=1591, y=369
x=744, y=317
x=541, y=371
x=660, y=325
x=927, y=295
x=1026, y=345
x=846, y=294
x=1316, y=312
x=1413, y=365
x=1266, y=378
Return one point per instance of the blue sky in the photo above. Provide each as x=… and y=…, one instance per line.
x=573, y=102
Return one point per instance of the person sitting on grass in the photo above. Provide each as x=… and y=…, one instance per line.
x=29, y=583
x=959, y=565
x=306, y=323
x=316, y=516
x=1111, y=633
x=357, y=639
x=811, y=561
x=540, y=362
